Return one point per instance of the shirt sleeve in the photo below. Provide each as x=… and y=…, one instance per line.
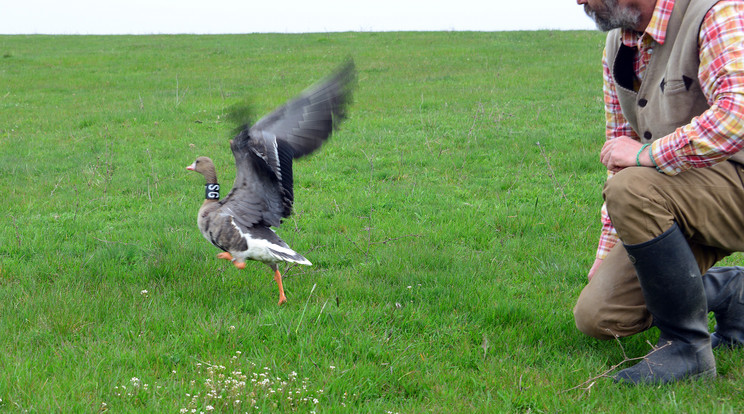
x=615, y=126
x=608, y=236
x=716, y=134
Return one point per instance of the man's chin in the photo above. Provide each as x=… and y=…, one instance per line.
x=619, y=18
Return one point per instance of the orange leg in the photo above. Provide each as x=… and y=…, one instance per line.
x=228, y=256
x=278, y=279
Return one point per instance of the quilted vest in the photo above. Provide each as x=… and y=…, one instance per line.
x=670, y=94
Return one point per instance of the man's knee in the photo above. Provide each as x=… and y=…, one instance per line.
x=636, y=205
x=623, y=190
x=587, y=321
x=612, y=304
x=606, y=324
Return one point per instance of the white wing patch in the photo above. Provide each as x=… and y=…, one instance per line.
x=275, y=147
x=264, y=251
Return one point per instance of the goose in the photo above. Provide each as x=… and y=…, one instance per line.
x=240, y=224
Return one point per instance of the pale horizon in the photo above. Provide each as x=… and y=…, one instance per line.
x=291, y=16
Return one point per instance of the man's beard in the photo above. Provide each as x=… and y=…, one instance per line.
x=613, y=16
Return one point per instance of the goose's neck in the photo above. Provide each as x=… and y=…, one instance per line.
x=210, y=175
x=212, y=187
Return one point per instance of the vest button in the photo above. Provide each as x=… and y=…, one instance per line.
x=642, y=103
x=648, y=135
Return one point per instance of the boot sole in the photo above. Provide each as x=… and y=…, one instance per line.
x=700, y=376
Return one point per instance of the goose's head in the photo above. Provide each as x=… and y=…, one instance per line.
x=204, y=166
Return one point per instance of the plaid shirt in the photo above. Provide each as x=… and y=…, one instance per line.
x=714, y=135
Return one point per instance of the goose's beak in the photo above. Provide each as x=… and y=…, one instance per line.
x=192, y=167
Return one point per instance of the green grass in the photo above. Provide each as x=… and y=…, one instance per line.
x=451, y=223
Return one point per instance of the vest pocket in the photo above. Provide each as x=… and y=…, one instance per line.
x=676, y=86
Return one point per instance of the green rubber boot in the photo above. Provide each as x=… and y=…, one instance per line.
x=724, y=288
x=674, y=293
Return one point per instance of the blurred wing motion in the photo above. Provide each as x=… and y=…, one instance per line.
x=263, y=189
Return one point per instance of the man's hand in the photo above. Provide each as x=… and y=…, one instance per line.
x=621, y=153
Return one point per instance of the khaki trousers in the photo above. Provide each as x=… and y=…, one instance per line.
x=706, y=203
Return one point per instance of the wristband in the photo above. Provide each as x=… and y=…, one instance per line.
x=653, y=161
x=638, y=156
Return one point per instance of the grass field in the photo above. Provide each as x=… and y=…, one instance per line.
x=451, y=222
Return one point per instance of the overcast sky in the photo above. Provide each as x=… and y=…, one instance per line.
x=284, y=16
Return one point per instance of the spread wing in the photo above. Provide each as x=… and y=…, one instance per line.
x=306, y=121
x=263, y=189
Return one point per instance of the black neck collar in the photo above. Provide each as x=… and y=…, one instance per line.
x=212, y=191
